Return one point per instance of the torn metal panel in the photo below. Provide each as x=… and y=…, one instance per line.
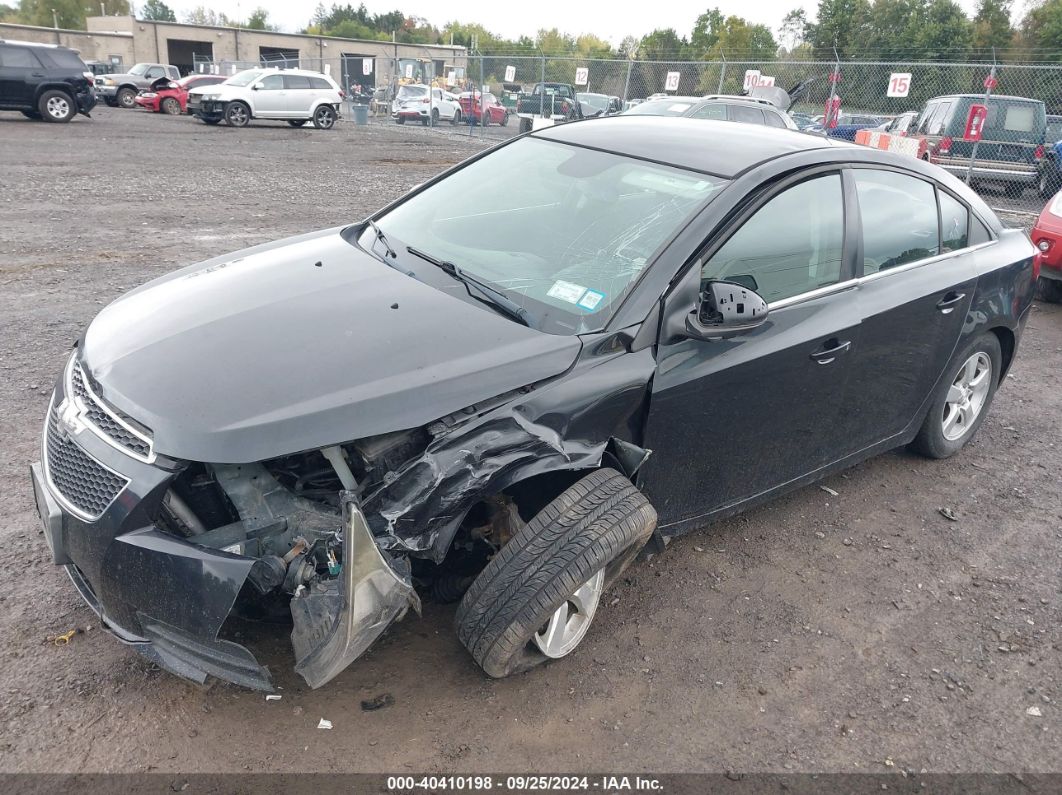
x=337, y=620
x=565, y=425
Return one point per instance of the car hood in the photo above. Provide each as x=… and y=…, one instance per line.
x=301, y=344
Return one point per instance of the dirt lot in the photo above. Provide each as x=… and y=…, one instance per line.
x=856, y=632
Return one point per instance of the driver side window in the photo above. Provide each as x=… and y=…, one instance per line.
x=792, y=245
x=272, y=83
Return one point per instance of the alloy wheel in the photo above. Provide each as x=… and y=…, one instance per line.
x=569, y=623
x=324, y=119
x=58, y=107
x=966, y=396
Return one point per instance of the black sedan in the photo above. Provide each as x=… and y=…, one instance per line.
x=499, y=392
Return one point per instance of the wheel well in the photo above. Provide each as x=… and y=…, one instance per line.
x=42, y=90
x=1006, y=347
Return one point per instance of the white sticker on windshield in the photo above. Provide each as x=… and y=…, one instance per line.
x=566, y=291
x=591, y=300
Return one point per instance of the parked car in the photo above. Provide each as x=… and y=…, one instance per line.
x=1011, y=145
x=804, y=121
x=901, y=125
x=555, y=101
x=293, y=95
x=1049, y=173
x=482, y=108
x=171, y=97
x=848, y=124
x=414, y=103
x=1047, y=237
x=102, y=68
x=44, y=81
x=435, y=400
x=719, y=107
x=120, y=90
x=599, y=104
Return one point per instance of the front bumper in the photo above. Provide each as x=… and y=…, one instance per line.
x=107, y=92
x=168, y=597
x=151, y=102
x=1008, y=173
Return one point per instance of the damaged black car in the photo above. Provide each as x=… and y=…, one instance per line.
x=500, y=392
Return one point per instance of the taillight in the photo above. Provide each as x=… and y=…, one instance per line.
x=342, y=95
x=425, y=101
x=1039, y=153
x=944, y=147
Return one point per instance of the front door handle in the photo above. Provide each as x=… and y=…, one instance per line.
x=950, y=301
x=833, y=349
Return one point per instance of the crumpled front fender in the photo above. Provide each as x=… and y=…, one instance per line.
x=337, y=620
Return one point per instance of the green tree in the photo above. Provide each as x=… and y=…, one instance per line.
x=8, y=13
x=706, y=31
x=158, y=11
x=738, y=40
x=946, y=32
x=201, y=15
x=991, y=25
x=844, y=24
x=793, y=29
x=259, y=20
x=665, y=45
x=68, y=13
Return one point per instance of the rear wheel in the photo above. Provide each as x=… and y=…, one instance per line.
x=525, y=125
x=484, y=118
x=126, y=97
x=170, y=106
x=400, y=120
x=1050, y=290
x=536, y=598
x=505, y=119
x=237, y=114
x=56, y=106
x=1048, y=184
x=456, y=119
x=434, y=116
x=324, y=118
x=962, y=400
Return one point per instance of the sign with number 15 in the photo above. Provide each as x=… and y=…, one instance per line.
x=899, y=84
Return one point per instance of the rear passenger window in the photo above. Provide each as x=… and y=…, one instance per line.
x=715, y=110
x=319, y=82
x=296, y=81
x=954, y=223
x=899, y=215
x=792, y=245
x=773, y=119
x=978, y=232
x=746, y=115
x=939, y=119
x=18, y=58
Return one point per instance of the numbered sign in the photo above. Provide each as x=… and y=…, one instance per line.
x=752, y=78
x=409, y=71
x=366, y=66
x=582, y=75
x=899, y=84
x=672, y=81
x=451, y=78
x=328, y=69
x=510, y=74
x=766, y=81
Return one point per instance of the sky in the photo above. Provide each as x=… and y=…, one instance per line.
x=611, y=21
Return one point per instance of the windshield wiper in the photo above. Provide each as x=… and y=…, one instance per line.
x=490, y=295
x=382, y=238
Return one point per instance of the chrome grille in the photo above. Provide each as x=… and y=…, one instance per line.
x=79, y=479
x=104, y=419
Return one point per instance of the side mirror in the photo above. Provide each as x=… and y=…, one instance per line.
x=726, y=310
x=256, y=87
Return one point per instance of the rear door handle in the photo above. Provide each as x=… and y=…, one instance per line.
x=833, y=349
x=950, y=301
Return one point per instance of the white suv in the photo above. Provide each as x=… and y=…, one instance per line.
x=294, y=95
x=413, y=104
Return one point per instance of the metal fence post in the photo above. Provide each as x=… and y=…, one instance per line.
x=834, y=79
x=722, y=76
x=627, y=83
x=482, y=99
x=988, y=95
x=542, y=93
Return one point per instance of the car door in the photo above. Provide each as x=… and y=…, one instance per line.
x=299, y=96
x=270, y=97
x=20, y=72
x=732, y=419
x=913, y=297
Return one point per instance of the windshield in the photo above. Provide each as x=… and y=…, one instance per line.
x=244, y=78
x=565, y=240
x=672, y=106
x=139, y=69
x=412, y=91
x=595, y=101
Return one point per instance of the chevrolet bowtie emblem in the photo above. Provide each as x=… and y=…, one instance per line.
x=70, y=421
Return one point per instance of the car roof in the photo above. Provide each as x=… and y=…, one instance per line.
x=721, y=148
x=982, y=96
x=739, y=98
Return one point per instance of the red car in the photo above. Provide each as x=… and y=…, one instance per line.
x=167, y=96
x=1047, y=237
x=474, y=107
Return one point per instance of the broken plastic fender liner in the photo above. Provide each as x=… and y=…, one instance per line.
x=337, y=620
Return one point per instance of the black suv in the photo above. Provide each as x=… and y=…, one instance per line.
x=44, y=81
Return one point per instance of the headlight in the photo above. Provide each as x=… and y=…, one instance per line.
x=108, y=82
x=1043, y=245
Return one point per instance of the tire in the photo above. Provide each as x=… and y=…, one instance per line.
x=525, y=125
x=170, y=106
x=125, y=98
x=932, y=441
x=297, y=122
x=31, y=114
x=456, y=119
x=324, y=118
x=589, y=533
x=1049, y=290
x=111, y=102
x=56, y=106
x=505, y=119
x=400, y=120
x=484, y=119
x=1048, y=184
x=434, y=117
x=237, y=114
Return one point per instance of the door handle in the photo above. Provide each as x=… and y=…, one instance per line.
x=36, y=74
x=950, y=301
x=833, y=349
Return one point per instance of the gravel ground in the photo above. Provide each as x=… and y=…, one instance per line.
x=853, y=632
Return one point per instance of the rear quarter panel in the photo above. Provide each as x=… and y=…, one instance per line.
x=1005, y=289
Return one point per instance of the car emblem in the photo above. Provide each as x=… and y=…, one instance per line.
x=70, y=420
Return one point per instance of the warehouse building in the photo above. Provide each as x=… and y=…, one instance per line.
x=124, y=41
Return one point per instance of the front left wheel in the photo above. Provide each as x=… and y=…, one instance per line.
x=170, y=106
x=536, y=598
x=237, y=114
x=962, y=400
